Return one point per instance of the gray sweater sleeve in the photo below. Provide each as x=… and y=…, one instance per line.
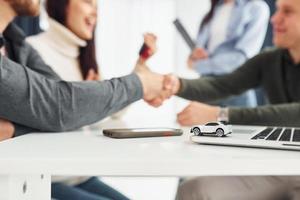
x=35, y=62
x=211, y=89
x=33, y=100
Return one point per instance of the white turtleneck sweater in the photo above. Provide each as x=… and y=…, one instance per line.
x=59, y=47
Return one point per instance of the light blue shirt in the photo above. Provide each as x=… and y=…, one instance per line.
x=246, y=32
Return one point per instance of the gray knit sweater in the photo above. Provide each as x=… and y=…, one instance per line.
x=36, y=99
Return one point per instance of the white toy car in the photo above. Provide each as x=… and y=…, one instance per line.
x=212, y=129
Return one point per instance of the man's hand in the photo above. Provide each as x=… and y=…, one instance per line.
x=157, y=88
x=171, y=86
x=6, y=130
x=152, y=82
x=172, y=83
x=198, y=113
x=197, y=54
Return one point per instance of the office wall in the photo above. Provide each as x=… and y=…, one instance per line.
x=122, y=24
x=119, y=38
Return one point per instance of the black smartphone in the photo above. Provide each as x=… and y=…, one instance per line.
x=141, y=132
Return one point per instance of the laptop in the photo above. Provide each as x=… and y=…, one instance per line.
x=284, y=138
x=186, y=37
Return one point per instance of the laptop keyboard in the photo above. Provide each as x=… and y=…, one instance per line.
x=296, y=136
x=263, y=134
x=278, y=134
x=286, y=135
x=275, y=134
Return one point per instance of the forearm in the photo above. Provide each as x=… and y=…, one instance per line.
x=214, y=88
x=221, y=62
x=208, y=89
x=271, y=115
x=200, y=89
x=29, y=99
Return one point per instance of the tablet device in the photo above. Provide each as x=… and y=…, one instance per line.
x=142, y=132
x=187, y=38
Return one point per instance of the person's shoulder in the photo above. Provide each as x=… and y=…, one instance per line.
x=272, y=51
x=37, y=39
x=267, y=56
x=257, y=6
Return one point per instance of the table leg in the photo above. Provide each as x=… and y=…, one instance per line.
x=25, y=187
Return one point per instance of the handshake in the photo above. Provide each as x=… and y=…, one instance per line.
x=156, y=87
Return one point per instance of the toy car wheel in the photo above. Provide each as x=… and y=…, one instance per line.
x=196, y=131
x=220, y=132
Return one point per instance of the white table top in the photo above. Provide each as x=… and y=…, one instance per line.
x=90, y=153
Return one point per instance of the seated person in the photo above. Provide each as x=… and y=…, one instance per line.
x=278, y=72
x=68, y=45
x=231, y=32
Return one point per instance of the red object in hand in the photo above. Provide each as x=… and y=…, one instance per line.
x=145, y=52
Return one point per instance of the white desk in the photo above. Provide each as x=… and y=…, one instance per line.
x=27, y=163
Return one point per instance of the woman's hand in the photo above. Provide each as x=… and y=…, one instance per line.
x=149, y=48
x=197, y=54
x=92, y=76
x=150, y=41
x=6, y=130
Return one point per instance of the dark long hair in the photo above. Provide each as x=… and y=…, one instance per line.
x=87, y=57
x=210, y=13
